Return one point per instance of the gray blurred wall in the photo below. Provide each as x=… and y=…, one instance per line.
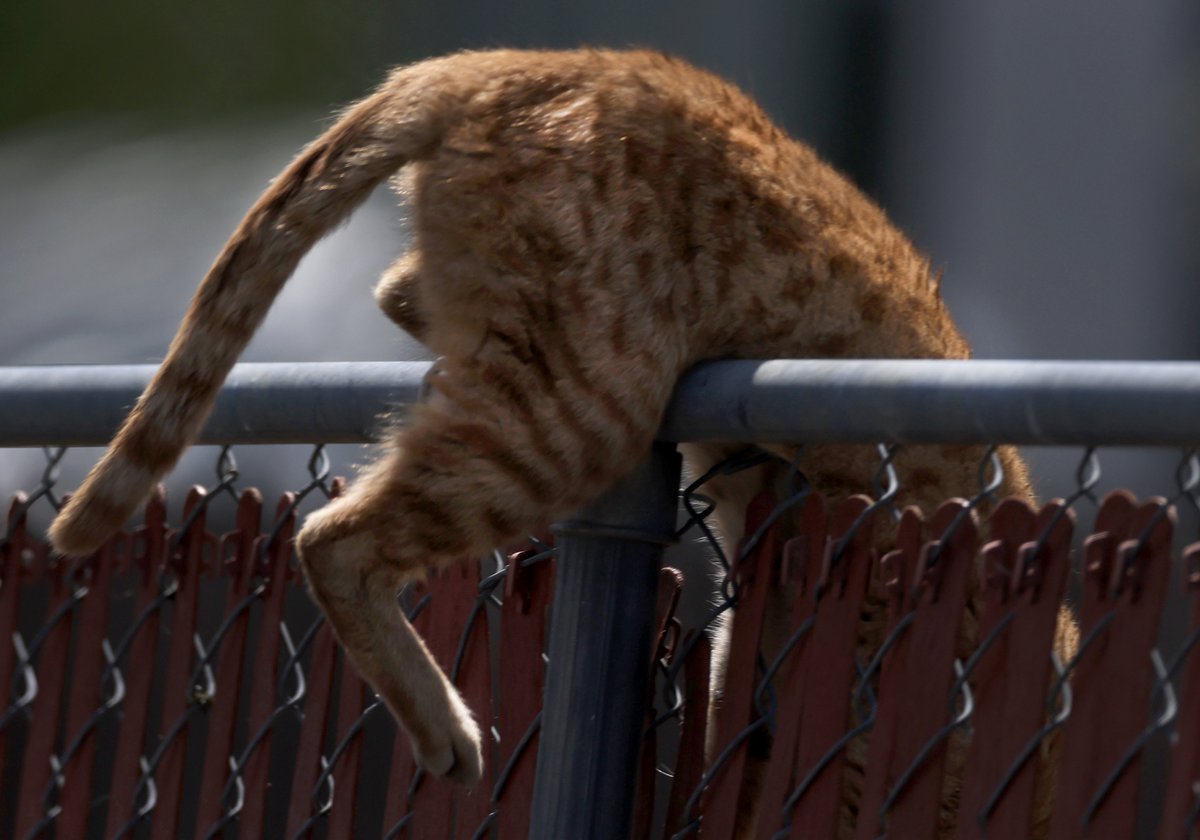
x=1047, y=156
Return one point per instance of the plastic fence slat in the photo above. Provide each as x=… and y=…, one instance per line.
x=474, y=681
x=50, y=665
x=310, y=745
x=689, y=762
x=264, y=675
x=146, y=565
x=1023, y=588
x=523, y=625
x=181, y=660
x=915, y=700
x=800, y=566
x=840, y=583
x=238, y=558
x=1182, y=802
x=897, y=569
x=85, y=693
x=352, y=694
x=453, y=594
x=1123, y=590
x=737, y=712
x=429, y=804
x=12, y=582
x=670, y=585
x=396, y=811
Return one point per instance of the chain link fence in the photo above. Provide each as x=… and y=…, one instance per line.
x=180, y=684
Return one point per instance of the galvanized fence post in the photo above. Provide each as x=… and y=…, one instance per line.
x=600, y=637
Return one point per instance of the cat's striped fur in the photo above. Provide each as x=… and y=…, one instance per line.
x=587, y=225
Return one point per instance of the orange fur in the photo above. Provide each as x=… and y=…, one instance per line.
x=587, y=225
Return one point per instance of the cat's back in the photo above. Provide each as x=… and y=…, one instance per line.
x=592, y=155
x=653, y=106
x=633, y=121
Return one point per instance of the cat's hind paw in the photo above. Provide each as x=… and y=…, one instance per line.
x=451, y=748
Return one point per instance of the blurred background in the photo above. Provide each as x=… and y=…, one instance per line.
x=1046, y=156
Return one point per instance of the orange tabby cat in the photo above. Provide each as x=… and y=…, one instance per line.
x=587, y=226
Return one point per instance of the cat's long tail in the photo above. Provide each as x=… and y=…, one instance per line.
x=402, y=121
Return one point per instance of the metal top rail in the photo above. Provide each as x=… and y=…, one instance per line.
x=1069, y=403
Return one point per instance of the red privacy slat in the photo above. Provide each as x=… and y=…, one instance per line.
x=145, y=562
x=397, y=812
x=1103, y=722
x=443, y=809
x=737, y=711
x=1183, y=789
x=238, y=560
x=670, y=585
x=896, y=573
x=352, y=697
x=474, y=680
x=85, y=692
x=12, y=578
x=305, y=797
x=431, y=808
x=840, y=582
x=800, y=569
x=50, y=665
x=689, y=763
x=1022, y=592
x=181, y=660
x=915, y=699
x=523, y=624
x=264, y=672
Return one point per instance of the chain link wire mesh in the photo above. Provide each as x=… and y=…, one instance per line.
x=179, y=683
x=200, y=686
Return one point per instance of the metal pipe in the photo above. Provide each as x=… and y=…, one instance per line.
x=938, y=401
x=598, y=676
x=1070, y=403
x=319, y=402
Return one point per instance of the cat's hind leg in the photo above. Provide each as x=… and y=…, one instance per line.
x=355, y=579
x=491, y=456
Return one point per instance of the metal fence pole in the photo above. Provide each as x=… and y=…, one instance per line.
x=600, y=637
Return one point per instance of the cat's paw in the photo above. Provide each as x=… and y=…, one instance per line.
x=451, y=748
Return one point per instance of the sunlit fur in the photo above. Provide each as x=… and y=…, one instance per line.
x=587, y=225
